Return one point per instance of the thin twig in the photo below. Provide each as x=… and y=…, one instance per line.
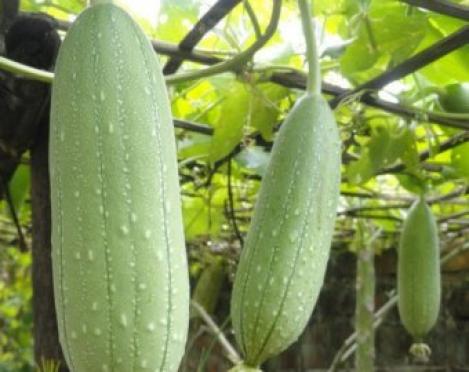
x=252, y=16
x=231, y=205
x=238, y=62
x=21, y=239
x=231, y=352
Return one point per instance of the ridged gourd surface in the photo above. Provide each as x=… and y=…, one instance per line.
x=119, y=261
x=283, y=262
x=419, y=282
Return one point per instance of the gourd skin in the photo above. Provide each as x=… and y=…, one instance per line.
x=419, y=283
x=119, y=262
x=283, y=262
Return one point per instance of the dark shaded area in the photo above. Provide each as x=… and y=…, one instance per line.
x=46, y=341
x=24, y=118
x=23, y=103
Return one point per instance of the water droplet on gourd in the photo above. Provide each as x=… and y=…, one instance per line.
x=94, y=306
x=147, y=234
x=133, y=217
x=124, y=229
x=78, y=256
x=74, y=335
x=293, y=236
x=90, y=255
x=159, y=256
x=123, y=320
x=142, y=286
x=151, y=327
x=111, y=128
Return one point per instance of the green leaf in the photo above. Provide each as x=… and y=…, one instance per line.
x=453, y=67
x=233, y=118
x=386, y=29
x=176, y=19
x=460, y=160
x=265, y=108
x=19, y=188
x=388, y=144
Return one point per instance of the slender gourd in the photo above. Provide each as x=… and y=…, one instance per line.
x=419, y=282
x=283, y=262
x=119, y=262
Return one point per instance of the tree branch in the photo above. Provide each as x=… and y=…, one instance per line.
x=295, y=80
x=452, y=142
x=445, y=7
x=236, y=63
x=209, y=20
x=414, y=63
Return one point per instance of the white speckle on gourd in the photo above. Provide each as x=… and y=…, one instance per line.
x=123, y=320
x=151, y=327
x=124, y=230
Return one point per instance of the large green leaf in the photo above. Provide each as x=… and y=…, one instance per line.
x=386, y=30
x=388, y=144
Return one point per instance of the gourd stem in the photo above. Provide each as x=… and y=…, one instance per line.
x=314, y=75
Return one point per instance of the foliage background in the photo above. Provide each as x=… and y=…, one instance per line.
x=382, y=155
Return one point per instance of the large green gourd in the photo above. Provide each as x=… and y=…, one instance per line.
x=119, y=264
x=418, y=273
x=282, y=265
